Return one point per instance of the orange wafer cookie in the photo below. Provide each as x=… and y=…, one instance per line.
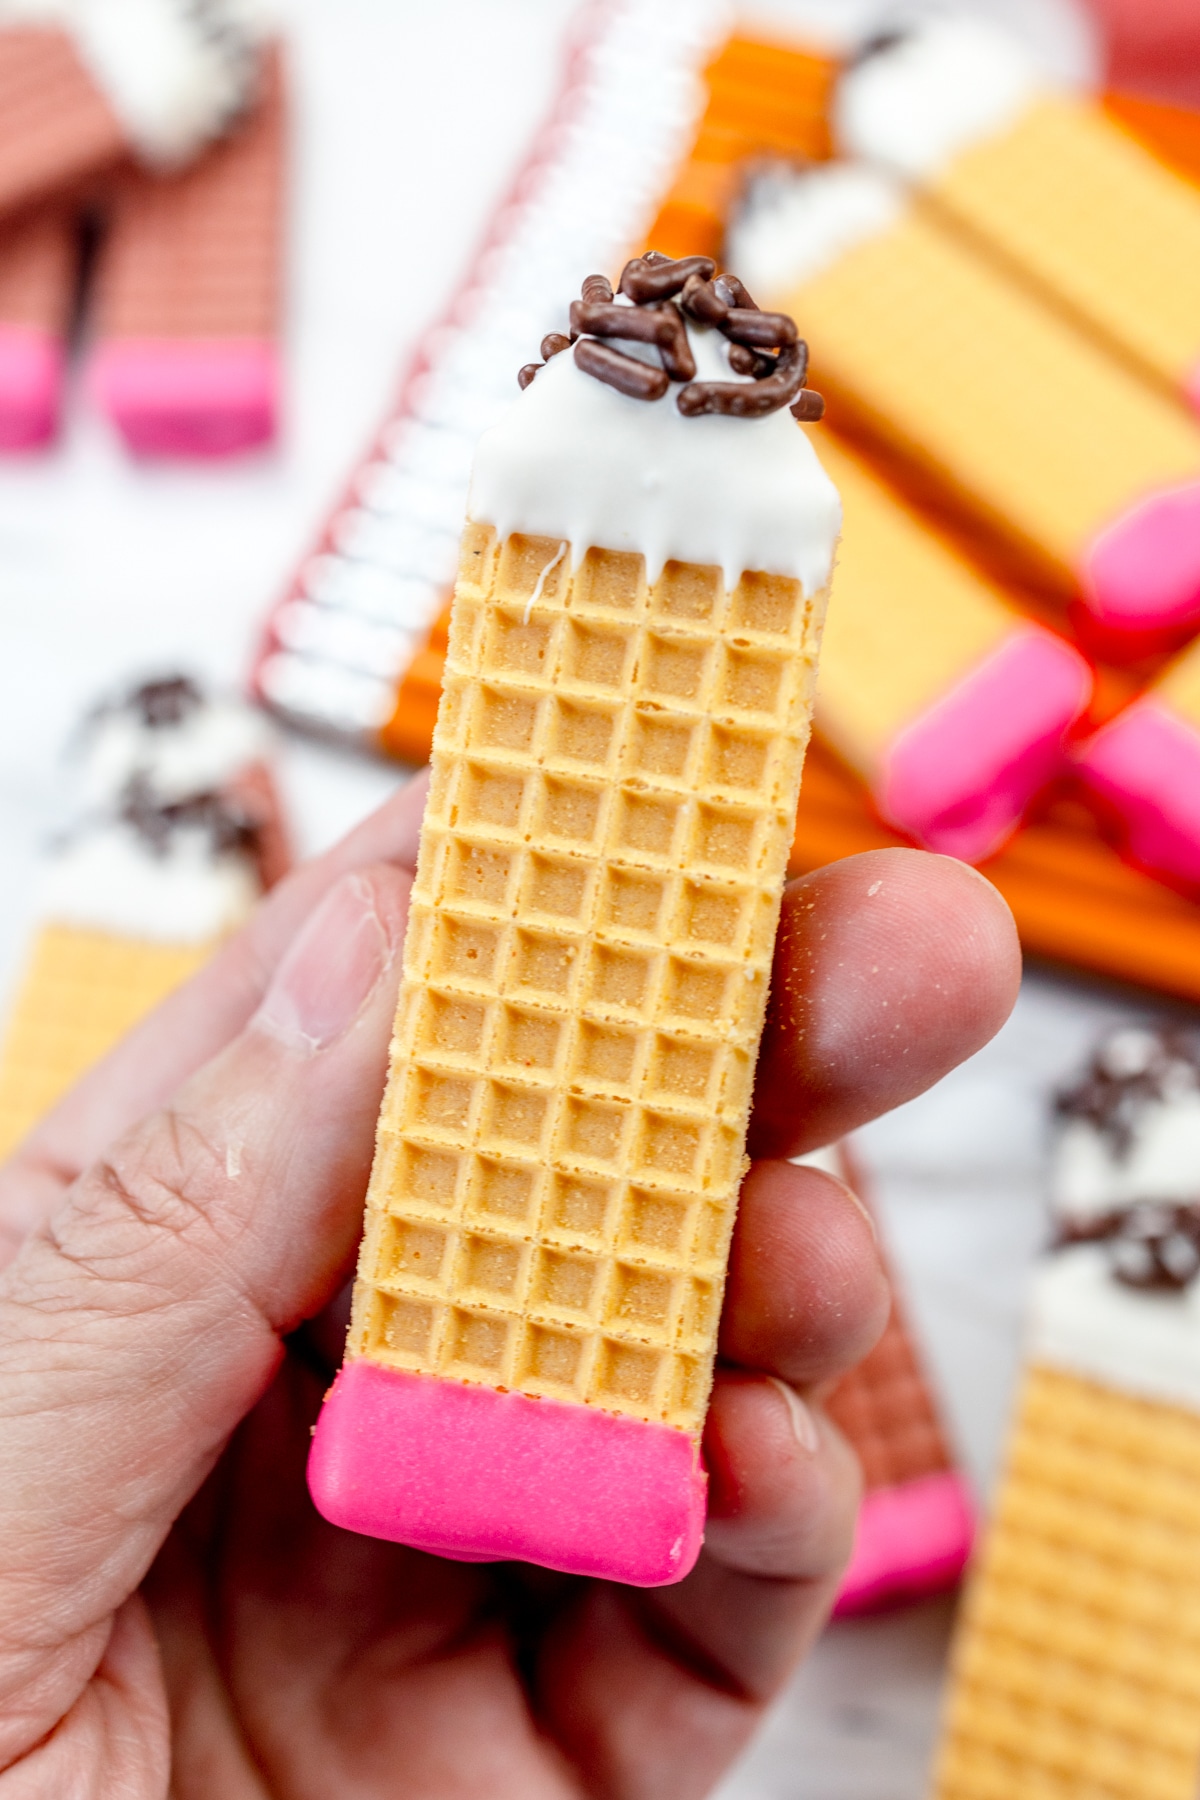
x=1083, y=471
x=187, y=294
x=1044, y=179
x=37, y=282
x=627, y=702
x=948, y=701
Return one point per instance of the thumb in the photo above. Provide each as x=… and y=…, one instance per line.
x=141, y=1324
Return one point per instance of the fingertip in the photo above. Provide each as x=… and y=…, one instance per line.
x=891, y=967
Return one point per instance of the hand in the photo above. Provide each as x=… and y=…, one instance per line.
x=173, y=1612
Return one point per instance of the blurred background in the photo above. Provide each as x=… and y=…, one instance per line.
x=128, y=550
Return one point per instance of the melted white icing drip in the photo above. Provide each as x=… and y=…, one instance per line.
x=794, y=225
x=949, y=83
x=574, y=459
x=109, y=879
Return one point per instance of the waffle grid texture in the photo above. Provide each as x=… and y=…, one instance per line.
x=885, y=1408
x=83, y=990
x=561, y=1143
x=1037, y=429
x=1097, y=221
x=198, y=254
x=1076, y=1670
x=37, y=269
x=56, y=127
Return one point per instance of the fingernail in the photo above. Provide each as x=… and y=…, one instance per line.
x=865, y=1210
x=329, y=972
x=804, y=1427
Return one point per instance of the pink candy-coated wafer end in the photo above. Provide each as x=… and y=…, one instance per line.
x=1145, y=767
x=478, y=1475
x=912, y=1539
x=31, y=370
x=188, y=397
x=960, y=777
x=1141, y=576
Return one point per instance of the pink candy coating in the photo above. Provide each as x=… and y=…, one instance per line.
x=1141, y=575
x=960, y=777
x=187, y=397
x=479, y=1475
x=31, y=371
x=912, y=1539
x=1145, y=767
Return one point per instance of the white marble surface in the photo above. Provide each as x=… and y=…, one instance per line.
x=410, y=118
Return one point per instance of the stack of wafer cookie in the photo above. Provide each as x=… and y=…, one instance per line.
x=1074, y=1670
x=107, y=112
x=618, y=751
x=177, y=831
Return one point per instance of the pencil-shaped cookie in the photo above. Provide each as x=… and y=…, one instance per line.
x=1078, y=466
x=933, y=687
x=180, y=829
x=916, y=1520
x=616, y=762
x=185, y=360
x=37, y=279
x=1075, y=1670
x=1042, y=178
x=93, y=83
x=1144, y=768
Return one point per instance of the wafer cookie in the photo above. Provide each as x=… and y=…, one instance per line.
x=916, y=1520
x=1144, y=769
x=1075, y=1666
x=185, y=359
x=1084, y=474
x=951, y=704
x=179, y=830
x=91, y=84
x=37, y=281
x=615, y=768
x=1046, y=180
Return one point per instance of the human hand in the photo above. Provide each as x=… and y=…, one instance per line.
x=174, y=1615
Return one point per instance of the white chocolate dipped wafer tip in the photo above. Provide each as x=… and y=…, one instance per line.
x=944, y=84
x=575, y=460
x=111, y=879
x=795, y=223
x=1151, y=1153
x=1081, y=1319
x=176, y=72
x=186, y=744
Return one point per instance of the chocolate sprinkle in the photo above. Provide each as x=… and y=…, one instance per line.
x=640, y=380
x=763, y=346
x=1153, y=1245
x=227, y=826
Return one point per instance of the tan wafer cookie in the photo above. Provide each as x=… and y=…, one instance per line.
x=614, y=775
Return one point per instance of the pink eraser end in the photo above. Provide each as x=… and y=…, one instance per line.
x=1145, y=768
x=960, y=777
x=478, y=1475
x=912, y=1539
x=1141, y=576
x=31, y=370
x=187, y=396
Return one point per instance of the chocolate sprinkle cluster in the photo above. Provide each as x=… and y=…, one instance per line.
x=1130, y=1071
x=662, y=289
x=1152, y=1244
x=227, y=825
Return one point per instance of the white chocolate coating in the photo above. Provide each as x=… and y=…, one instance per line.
x=577, y=461
x=1081, y=1318
x=795, y=224
x=949, y=83
x=201, y=754
x=110, y=879
x=174, y=73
